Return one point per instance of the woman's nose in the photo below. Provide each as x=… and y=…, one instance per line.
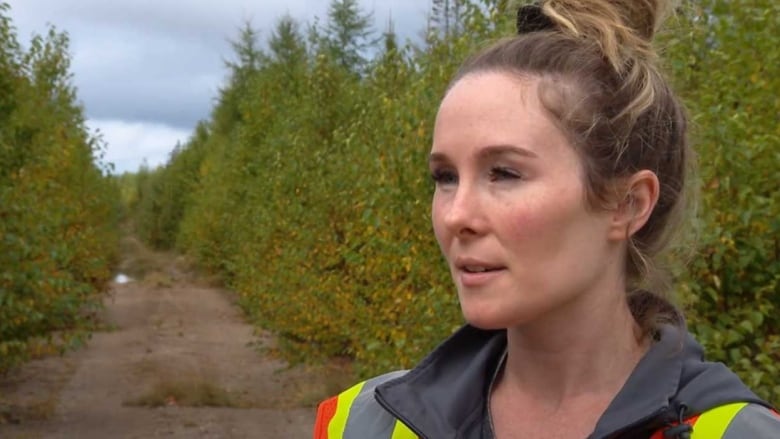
x=464, y=216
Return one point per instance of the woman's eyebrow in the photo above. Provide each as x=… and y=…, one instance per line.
x=437, y=158
x=505, y=149
x=486, y=152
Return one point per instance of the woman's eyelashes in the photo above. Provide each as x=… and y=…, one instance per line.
x=444, y=176
x=499, y=173
x=447, y=176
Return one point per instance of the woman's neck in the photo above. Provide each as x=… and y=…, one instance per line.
x=581, y=353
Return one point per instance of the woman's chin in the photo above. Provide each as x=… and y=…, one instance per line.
x=487, y=319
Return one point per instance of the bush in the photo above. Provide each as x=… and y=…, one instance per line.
x=57, y=209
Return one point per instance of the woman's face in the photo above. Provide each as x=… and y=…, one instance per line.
x=509, y=209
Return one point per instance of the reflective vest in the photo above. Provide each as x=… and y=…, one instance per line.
x=715, y=422
x=335, y=420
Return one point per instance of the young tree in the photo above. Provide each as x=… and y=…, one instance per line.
x=57, y=211
x=250, y=59
x=287, y=45
x=348, y=34
x=446, y=18
x=246, y=49
x=10, y=81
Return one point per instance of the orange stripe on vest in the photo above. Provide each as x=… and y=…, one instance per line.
x=660, y=433
x=325, y=412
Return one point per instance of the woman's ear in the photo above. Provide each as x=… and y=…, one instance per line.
x=633, y=210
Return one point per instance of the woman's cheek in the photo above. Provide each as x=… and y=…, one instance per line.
x=525, y=221
x=437, y=219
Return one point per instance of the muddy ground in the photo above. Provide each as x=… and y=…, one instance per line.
x=176, y=360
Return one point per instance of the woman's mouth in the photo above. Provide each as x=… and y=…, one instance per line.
x=477, y=269
x=477, y=275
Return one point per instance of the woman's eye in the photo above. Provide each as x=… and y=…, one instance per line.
x=442, y=176
x=499, y=173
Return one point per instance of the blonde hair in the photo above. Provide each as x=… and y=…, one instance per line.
x=600, y=80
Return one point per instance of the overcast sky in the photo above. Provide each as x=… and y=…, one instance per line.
x=147, y=70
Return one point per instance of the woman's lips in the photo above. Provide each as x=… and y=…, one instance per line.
x=478, y=278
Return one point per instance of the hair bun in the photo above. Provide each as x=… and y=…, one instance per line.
x=531, y=18
x=622, y=28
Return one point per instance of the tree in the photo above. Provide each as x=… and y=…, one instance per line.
x=348, y=34
x=57, y=208
x=250, y=59
x=249, y=56
x=286, y=43
x=724, y=56
x=446, y=18
x=313, y=204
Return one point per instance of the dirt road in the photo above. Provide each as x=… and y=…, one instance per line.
x=177, y=361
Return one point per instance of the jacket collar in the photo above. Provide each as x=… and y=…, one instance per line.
x=444, y=396
x=650, y=389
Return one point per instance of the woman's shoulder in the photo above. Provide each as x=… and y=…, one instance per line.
x=355, y=413
x=753, y=421
x=721, y=404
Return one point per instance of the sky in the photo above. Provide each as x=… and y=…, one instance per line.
x=146, y=71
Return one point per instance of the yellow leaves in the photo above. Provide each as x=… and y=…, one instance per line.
x=204, y=169
x=387, y=102
x=728, y=242
x=422, y=130
x=406, y=262
x=756, y=78
x=716, y=282
x=60, y=211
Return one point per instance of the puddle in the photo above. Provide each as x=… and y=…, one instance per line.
x=122, y=278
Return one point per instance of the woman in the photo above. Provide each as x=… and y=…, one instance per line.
x=559, y=158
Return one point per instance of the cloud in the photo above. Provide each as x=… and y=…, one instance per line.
x=141, y=60
x=129, y=144
x=121, y=76
x=147, y=71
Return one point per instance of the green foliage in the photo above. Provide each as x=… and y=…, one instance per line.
x=57, y=209
x=726, y=71
x=307, y=189
x=445, y=18
x=347, y=34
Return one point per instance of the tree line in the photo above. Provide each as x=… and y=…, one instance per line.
x=306, y=188
x=58, y=207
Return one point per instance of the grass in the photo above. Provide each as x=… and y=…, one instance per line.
x=306, y=386
x=141, y=263
x=155, y=279
x=34, y=411
x=33, y=405
x=315, y=383
x=187, y=393
x=137, y=260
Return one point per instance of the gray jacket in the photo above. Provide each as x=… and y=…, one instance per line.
x=445, y=395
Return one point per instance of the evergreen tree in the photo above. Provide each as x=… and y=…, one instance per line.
x=446, y=18
x=286, y=43
x=389, y=37
x=348, y=34
x=246, y=49
x=250, y=58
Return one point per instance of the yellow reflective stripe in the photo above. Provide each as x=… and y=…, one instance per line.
x=401, y=431
x=713, y=423
x=339, y=422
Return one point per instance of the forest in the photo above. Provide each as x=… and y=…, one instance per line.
x=306, y=188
